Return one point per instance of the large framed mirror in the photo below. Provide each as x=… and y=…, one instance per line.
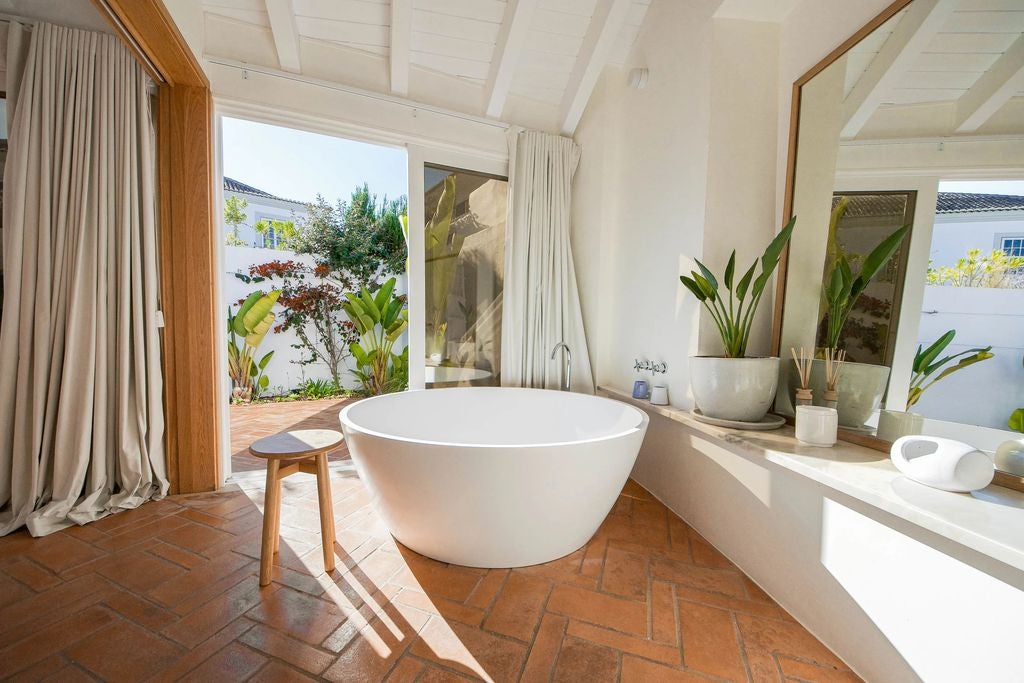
x=906, y=174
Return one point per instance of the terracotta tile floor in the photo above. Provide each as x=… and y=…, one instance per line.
x=254, y=421
x=170, y=591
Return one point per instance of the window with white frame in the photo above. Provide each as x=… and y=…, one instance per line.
x=1012, y=245
x=270, y=239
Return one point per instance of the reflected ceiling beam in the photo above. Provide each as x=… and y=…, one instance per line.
x=994, y=89
x=922, y=21
x=401, y=41
x=605, y=27
x=286, y=34
x=511, y=41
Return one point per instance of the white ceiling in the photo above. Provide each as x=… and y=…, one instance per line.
x=505, y=57
x=958, y=60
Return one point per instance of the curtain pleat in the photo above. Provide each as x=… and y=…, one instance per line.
x=81, y=415
x=541, y=300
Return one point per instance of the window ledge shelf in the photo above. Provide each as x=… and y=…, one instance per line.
x=990, y=521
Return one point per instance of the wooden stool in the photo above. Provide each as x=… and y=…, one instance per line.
x=300, y=451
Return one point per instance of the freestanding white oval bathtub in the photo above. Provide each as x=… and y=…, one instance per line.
x=493, y=477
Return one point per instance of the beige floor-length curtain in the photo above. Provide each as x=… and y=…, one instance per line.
x=81, y=416
x=541, y=301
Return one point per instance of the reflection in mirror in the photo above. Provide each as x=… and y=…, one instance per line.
x=464, y=248
x=908, y=262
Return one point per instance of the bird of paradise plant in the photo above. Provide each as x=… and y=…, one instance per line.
x=252, y=322
x=380, y=320
x=926, y=365
x=733, y=314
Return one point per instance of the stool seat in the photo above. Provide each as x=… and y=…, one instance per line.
x=302, y=450
x=301, y=443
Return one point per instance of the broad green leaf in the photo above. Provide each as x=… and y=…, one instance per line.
x=704, y=285
x=877, y=259
x=692, y=286
x=708, y=275
x=730, y=270
x=1016, y=421
x=259, y=331
x=266, y=359
x=238, y=321
x=259, y=310
x=384, y=294
x=924, y=358
x=744, y=283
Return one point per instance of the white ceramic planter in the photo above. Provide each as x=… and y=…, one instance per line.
x=894, y=424
x=734, y=388
x=1009, y=457
x=861, y=388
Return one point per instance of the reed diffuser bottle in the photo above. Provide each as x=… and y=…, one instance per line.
x=804, y=395
x=834, y=359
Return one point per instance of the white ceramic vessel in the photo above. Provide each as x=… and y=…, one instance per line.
x=493, y=477
x=942, y=463
x=740, y=389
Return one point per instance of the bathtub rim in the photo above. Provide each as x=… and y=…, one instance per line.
x=348, y=425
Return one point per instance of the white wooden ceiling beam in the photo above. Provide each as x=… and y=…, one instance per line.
x=922, y=21
x=286, y=34
x=605, y=27
x=401, y=40
x=994, y=89
x=511, y=41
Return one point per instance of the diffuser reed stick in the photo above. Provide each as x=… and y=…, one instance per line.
x=834, y=359
x=804, y=397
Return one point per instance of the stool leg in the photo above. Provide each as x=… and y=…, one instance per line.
x=323, y=489
x=271, y=514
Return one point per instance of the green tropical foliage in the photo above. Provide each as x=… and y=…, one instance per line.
x=997, y=270
x=313, y=389
x=927, y=363
x=733, y=313
x=362, y=237
x=234, y=216
x=246, y=330
x=379, y=319
x=285, y=233
x=842, y=288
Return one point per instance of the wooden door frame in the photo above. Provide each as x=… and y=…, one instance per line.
x=188, y=231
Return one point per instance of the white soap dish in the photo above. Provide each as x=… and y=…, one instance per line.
x=766, y=423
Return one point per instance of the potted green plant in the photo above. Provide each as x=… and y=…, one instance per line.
x=928, y=369
x=733, y=386
x=861, y=385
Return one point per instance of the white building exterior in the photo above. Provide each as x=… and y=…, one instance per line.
x=976, y=221
x=260, y=206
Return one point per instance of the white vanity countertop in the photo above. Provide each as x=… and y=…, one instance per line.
x=990, y=521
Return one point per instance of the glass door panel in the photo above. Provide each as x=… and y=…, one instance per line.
x=464, y=259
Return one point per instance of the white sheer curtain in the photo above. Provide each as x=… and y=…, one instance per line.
x=541, y=301
x=81, y=417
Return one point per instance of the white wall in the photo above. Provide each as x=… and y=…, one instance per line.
x=683, y=168
x=955, y=234
x=986, y=393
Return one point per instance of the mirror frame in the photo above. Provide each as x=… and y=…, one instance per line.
x=870, y=441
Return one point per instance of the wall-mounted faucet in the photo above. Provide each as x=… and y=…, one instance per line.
x=568, y=362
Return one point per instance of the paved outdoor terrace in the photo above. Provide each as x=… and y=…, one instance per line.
x=170, y=592
x=254, y=421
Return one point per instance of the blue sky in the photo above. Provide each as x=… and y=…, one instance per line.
x=297, y=165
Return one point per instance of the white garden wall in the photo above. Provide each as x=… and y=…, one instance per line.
x=986, y=393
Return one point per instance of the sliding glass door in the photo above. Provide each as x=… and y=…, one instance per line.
x=463, y=268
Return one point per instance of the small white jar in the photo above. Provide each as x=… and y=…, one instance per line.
x=816, y=425
x=659, y=395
